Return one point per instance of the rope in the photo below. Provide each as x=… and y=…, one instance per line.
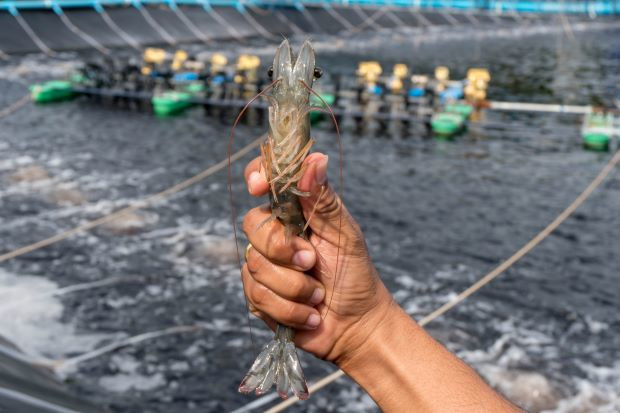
x=344, y=22
x=296, y=29
x=133, y=207
x=83, y=35
x=478, y=284
x=449, y=18
x=123, y=34
x=420, y=17
x=257, y=26
x=191, y=26
x=229, y=27
x=33, y=36
x=368, y=20
x=14, y=106
x=160, y=30
x=395, y=19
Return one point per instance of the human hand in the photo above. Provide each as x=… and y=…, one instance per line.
x=293, y=283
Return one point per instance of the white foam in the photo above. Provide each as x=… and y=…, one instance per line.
x=129, y=378
x=37, y=327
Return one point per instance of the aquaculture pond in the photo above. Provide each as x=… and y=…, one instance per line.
x=437, y=215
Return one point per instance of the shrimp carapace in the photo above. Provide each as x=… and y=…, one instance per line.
x=283, y=154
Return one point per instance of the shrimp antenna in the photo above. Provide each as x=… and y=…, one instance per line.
x=340, y=189
x=230, y=193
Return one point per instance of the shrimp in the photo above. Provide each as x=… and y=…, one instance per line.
x=288, y=143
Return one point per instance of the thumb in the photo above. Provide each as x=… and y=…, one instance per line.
x=323, y=208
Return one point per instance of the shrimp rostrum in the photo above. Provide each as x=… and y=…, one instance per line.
x=287, y=145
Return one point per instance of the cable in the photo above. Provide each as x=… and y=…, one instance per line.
x=133, y=207
x=478, y=284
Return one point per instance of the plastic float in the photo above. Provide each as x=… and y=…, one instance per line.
x=171, y=103
x=597, y=131
x=52, y=91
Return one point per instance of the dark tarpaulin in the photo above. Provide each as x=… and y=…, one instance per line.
x=236, y=20
x=133, y=23
x=297, y=18
x=13, y=39
x=171, y=23
x=384, y=21
x=205, y=22
x=350, y=15
x=269, y=21
x=434, y=17
x=52, y=31
x=460, y=17
x=326, y=21
x=408, y=17
x=89, y=21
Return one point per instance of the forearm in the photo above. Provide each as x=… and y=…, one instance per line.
x=405, y=369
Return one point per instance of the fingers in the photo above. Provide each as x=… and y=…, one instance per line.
x=289, y=284
x=268, y=237
x=267, y=304
x=255, y=178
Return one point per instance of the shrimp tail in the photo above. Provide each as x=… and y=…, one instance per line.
x=277, y=363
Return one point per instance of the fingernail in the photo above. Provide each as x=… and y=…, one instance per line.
x=253, y=180
x=321, y=171
x=317, y=296
x=303, y=259
x=313, y=321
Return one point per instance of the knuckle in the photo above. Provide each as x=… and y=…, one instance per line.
x=297, y=287
x=330, y=205
x=259, y=295
x=291, y=313
x=254, y=262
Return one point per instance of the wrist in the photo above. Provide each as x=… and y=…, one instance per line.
x=377, y=364
x=366, y=337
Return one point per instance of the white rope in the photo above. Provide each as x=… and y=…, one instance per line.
x=156, y=26
x=83, y=35
x=33, y=36
x=123, y=35
x=191, y=26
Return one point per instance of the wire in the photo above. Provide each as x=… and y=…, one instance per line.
x=478, y=284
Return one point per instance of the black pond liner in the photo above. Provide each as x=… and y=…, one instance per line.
x=92, y=23
x=297, y=18
x=131, y=21
x=52, y=31
x=349, y=15
x=235, y=20
x=269, y=21
x=205, y=22
x=171, y=23
x=13, y=39
x=327, y=22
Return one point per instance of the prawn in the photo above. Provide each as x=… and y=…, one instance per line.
x=282, y=156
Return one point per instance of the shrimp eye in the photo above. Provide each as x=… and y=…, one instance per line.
x=270, y=72
x=318, y=72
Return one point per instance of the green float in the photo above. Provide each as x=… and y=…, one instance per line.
x=171, y=103
x=596, y=141
x=596, y=132
x=446, y=124
x=52, y=91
